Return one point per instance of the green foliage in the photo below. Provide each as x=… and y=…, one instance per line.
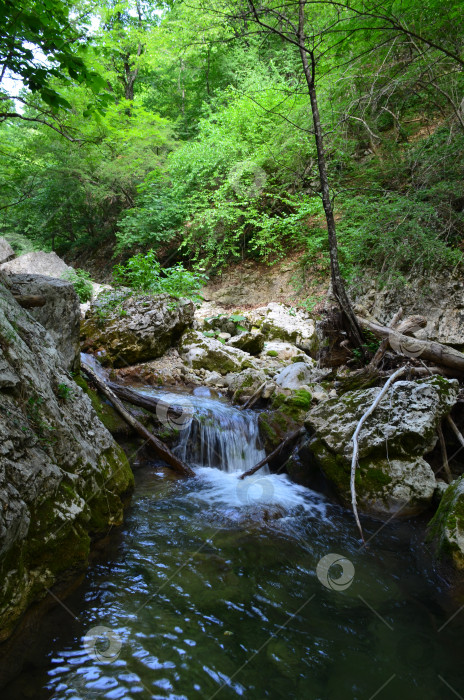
x=144, y=273
x=81, y=281
x=64, y=392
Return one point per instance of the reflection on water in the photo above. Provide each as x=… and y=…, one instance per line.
x=210, y=590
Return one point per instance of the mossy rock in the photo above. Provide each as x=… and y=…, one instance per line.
x=446, y=529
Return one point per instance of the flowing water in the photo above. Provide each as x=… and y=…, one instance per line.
x=212, y=589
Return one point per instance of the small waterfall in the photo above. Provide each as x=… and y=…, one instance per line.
x=214, y=434
x=221, y=436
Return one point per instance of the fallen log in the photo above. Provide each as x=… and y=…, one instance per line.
x=415, y=348
x=274, y=453
x=149, y=403
x=159, y=447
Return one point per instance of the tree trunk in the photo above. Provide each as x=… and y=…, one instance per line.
x=352, y=327
x=159, y=447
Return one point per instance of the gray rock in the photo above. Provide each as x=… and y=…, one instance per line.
x=280, y=322
x=202, y=352
x=60, y=315
x=249, y=341
x=6, y=251
x=446, y=529
x=137, y=329
x=62, y=476
x=37, y=263
x=439, y=298
x=244, y=384
x=392, y=477
x=294, y=376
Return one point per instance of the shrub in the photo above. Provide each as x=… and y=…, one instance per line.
x=81, y=281
x=144, y=273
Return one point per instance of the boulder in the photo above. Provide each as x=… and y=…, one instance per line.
x=202, y=352
x=281, y=322
x=37, y=263
x=285, y=415
x=63, y=479
x=249, y=341
x=392, y=477
x=243, y=385
x=6, y=251
x=124, y=328
x=446, y=529
x=280, y=350
x=295, y=376
x=60, y=315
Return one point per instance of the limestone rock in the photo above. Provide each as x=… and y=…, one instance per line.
x=392, y=476
x=244, y=384
x=138, y=328
x=202, y=352
x=294, y=376
x=280, y=350
x=6, y=251
x=280, y=322
x=249, y=341
x=63, y=479
x=446, y=529
x=37, y=263
x=60, y=315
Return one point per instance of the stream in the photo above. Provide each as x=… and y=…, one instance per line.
x=214, y=587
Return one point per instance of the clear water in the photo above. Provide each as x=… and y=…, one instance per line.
x=211, y=590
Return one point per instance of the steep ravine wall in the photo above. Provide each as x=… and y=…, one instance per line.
x=63, y=479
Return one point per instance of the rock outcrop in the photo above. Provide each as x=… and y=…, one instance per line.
x=125, y=329
x=63, y=479
x=6, y=251
x=393, y=476
x=439, y=299
x=60, y=315
x=446, y=529
x=280, y=322
x=37, y=263
x=202, y=352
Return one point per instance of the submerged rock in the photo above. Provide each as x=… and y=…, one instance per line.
x=202, y=352
x=392, y=476
x=129, y=328
x=63, y=479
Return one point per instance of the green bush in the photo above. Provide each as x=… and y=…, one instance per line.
x=144, y=273
x=81, y=281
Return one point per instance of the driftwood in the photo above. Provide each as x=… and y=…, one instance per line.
x=354, y=459
x=150, y=403
x=274, y=453
x=382, y=349
x=159, y=447
x=455, y=430
x=430, y=350
x=29, y=301
x=444, y=455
